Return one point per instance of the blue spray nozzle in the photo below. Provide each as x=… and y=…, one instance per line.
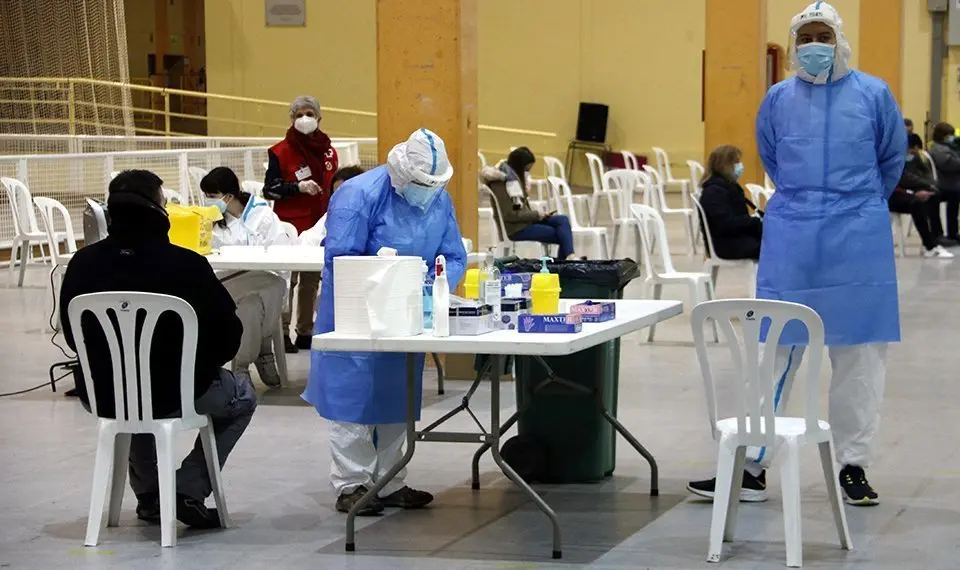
x=544, y=261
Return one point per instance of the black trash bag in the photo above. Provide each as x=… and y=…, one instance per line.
x=526, y=456
x=613, y=274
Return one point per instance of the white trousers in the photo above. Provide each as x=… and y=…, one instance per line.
x=856, y=393
x=358, y=461
x=259, y=296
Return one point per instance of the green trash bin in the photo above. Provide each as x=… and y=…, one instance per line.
x=579, y=444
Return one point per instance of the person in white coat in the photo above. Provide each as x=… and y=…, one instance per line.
x=249, y=221
x=315, y=235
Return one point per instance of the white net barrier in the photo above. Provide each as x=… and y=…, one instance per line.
x=56, y=39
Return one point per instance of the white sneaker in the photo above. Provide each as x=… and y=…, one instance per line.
x=938, y=252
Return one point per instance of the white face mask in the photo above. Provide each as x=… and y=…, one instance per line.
x=305, y=125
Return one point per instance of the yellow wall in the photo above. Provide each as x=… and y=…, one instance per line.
x=140, y=18
x=537, y=60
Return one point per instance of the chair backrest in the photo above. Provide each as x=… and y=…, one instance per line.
x=626, y=181
x=252, y=187
x=756, y=191
x=596, y=170
x=21, y=206
x=707, y=236
x=128, y=320
x=113, y=174
x=933, y=167
x=696, y=175
x=101, y=220
x=485, y=191
x=768, y=183
x=49, y=209
x=663, y=164
x=175, y=197
x=658, y=198
x=194, y=195
x=650, y=225
x=565, y=197
x=753, y=377
x=482, y=159
x=290, y=231
x=630, y=160
x=554, y=167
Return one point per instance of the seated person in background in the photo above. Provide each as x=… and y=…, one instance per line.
x=735, y=233
x=138, y=256
x=947, y=162
x=523, y=223
x=315, y=235
x=917, y=195
x=908, y=123
x=259, y=295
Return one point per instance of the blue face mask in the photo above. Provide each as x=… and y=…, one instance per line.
x=738, y=170
x=217, y=203
x=950, y=139
x=910, y=157
x=816, y=58
x=418, y=195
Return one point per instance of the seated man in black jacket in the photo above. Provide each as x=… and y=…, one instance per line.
x=734, y=232
x=138, y=256
x=917, y=195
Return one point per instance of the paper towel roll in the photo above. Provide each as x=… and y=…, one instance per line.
x=378, y=296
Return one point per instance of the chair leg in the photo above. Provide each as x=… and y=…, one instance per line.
x=657, y=289
x=691, y=244
x=714, y=275
x=213, y=468
x=616, y=239
x=790, y=487
x=167, y=477
x=733, y=506
x=712, y=295
x=14, y=255
x=605, y=245
x=118, y=484
x=102, y=471
x=592, y=206
x=26, y=252
x=833, y=493
x=280, y=354
x=726, y=461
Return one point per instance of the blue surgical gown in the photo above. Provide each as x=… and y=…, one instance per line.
x=835, y=153
x=366, y=214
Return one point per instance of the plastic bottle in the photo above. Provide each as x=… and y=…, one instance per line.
x=427, y=297
x=441, y=300
x=545, y=291
x=491, y=286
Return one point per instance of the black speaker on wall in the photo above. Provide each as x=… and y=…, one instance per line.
x=592, y=122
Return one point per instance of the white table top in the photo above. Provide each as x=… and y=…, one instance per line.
x=273, y=258
x=632, y=315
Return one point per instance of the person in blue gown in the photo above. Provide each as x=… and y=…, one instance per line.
x=833, y=141
x=400, y=205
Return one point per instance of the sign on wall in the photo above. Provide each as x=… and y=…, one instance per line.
x=286, y=12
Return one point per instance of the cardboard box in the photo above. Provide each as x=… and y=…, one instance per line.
x=593, y=312
x=551, y=323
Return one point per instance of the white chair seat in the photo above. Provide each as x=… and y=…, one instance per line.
x=785, y=427
x=681, y=276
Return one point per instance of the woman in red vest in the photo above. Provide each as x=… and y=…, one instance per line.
x=299, y=172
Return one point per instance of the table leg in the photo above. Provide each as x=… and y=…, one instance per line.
x=507, y=470
x=407, y=455
x=439, y=365
x=486, y=446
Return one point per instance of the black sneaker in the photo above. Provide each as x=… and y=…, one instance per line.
x=193, y=513
x=346, y=501
x=148, y=507
x=753, y=489
x=289, y=347
x=407, y=498
x=856, y=490
x=304, y=341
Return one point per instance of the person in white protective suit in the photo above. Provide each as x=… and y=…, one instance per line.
x=315, y=235
x=259, y=295
x=401, y=205
x=832, y=140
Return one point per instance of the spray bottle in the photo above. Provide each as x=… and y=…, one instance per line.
x=441, y=299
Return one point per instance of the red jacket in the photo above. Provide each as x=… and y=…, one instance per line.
x=301, y=210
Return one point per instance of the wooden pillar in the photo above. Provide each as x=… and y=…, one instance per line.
x=161, y=37
x=427, y=77
x=735, y=77
x=881, y=41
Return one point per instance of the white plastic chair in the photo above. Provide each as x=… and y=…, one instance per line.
x=49, y=209
x=666, y=174
x=504, y=243
x=649, y=221
x=482, y=159
x=600, y=191
x=768, y=183
x=101, y=218
x=713, y=263
x=291, y=231
x=755, y=424
x=623, y=184
x=630, y=160
x=132, y=395
x=598, y=236
x=193, y=194
x=252, y=187
x=901, y=231
x=26, y=230
x=176, y=197
x=696, y=175
x=756, y=192
x=556, y=168
x=660, y=203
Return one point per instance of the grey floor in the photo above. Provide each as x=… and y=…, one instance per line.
x=282, y=504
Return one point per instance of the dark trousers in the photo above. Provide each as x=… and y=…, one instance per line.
x=553, y=230
x=952, y=198
x=926, y=215
x=230, y=402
